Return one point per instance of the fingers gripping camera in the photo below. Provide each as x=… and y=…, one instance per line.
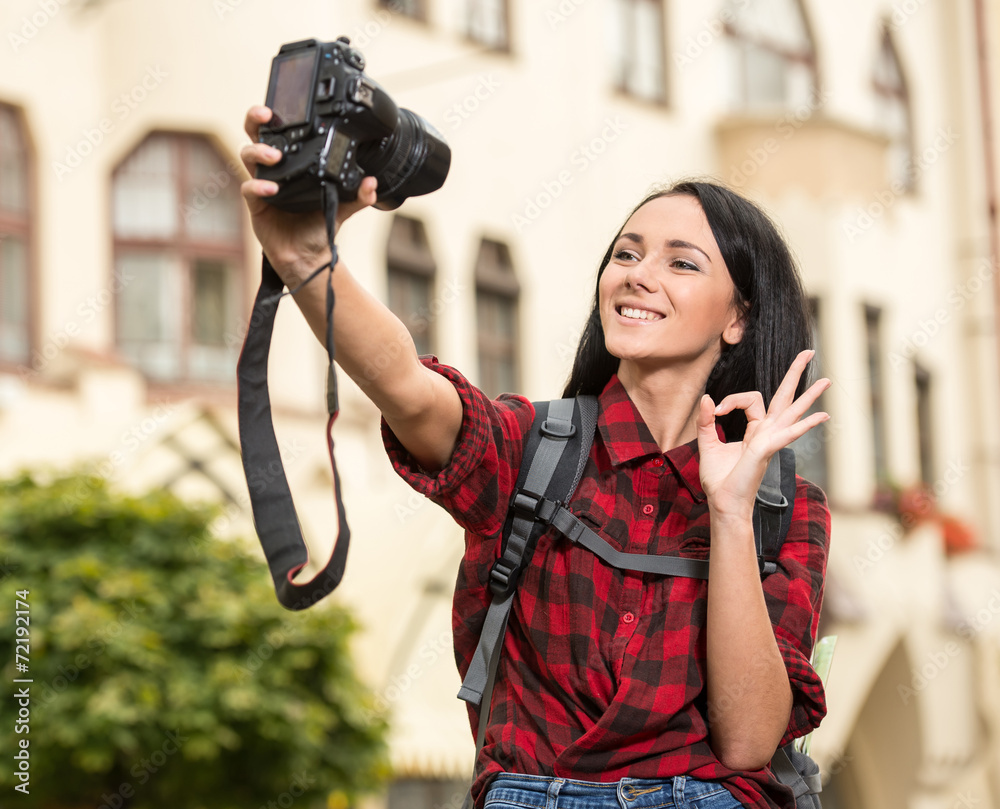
x=334, y=124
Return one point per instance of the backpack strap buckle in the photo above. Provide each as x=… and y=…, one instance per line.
x=558, y=428
x=503, y=576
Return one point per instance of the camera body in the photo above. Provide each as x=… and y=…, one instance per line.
x=334, y=124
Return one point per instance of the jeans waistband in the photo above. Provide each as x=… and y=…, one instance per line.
x=543, y=792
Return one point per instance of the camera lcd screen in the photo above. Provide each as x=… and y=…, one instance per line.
x=291, y=88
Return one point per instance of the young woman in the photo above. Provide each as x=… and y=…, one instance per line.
x=619, y=688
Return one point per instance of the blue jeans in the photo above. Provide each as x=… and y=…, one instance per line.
x=509, y=791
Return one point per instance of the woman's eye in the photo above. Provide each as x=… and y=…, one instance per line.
x=685, y=265
x=624, y=255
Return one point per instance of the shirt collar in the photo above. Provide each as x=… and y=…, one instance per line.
x=627, y=438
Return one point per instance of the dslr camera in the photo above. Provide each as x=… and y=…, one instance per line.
x=334, y=124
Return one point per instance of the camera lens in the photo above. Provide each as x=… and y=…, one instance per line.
x=413, y=160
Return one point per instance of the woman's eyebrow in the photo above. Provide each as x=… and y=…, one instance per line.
x=636, y=238
x=680, y=243
x=632, y=237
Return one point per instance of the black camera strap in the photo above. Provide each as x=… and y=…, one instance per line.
x=274, y=513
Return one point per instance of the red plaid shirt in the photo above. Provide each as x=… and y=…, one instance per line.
x=602, y=674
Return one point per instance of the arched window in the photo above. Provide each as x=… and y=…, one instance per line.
x=410, y=269
x=15, y=238
x=637, y=42
x=179, y=260
x=497, y=292
x=773, y=61
x=892, y=111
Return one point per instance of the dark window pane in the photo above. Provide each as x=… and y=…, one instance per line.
x=497, y=291
x=410, y=279
x=496, y=326
x=210, y=303
x=410, y=300
x=925, y=424
x=13, y=299
x=873, y=318
x=13, y=163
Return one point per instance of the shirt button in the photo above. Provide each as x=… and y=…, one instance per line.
x=628, y=617
x=657, y=461
x=647, y=509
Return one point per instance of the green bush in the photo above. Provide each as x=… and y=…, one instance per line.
x=165, y=674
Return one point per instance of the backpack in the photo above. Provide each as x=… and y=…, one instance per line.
x=555, y=454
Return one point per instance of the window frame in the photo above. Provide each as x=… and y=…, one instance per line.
x=621, y=86
x=874, y=345
x=810, y=59
x=185, y=249
x=923, y=382
x=498, y=279
x=412, y=258
x=503, y=48
x=25, y=227
x=884, y=93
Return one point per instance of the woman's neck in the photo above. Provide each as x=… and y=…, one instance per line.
x=667, y=398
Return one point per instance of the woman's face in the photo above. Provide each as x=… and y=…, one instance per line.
x=666, y=295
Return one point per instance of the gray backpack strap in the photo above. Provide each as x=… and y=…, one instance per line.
x=555, y=428
x=543, y=481
x=570, y=526
x=772, y=513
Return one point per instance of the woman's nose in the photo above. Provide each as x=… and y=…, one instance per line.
x=638, y=276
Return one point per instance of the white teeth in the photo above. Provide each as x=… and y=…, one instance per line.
x=638, y=314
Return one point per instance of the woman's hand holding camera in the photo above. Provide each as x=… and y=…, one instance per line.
x=295, y=243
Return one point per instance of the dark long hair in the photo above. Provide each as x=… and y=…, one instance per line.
x=768, y=293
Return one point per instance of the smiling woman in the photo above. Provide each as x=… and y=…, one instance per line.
x=615, y=685
x=664, y=300
x=721, y=261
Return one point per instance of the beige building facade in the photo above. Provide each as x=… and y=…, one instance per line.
x=869, y=129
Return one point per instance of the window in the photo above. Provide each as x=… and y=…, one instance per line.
x=773, y=62
x=637, y=42
x=892, y=112
x=873, y=340
x=415, y=9
x=178, y=260
x=410, y=281
x=497, y=293
x=925, y=425
x=488, y=23
x=811, y=450
x=15, y=238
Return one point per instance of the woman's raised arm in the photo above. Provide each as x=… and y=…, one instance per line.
x=372, y=345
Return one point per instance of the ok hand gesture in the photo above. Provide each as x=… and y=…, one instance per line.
x=731, y=472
